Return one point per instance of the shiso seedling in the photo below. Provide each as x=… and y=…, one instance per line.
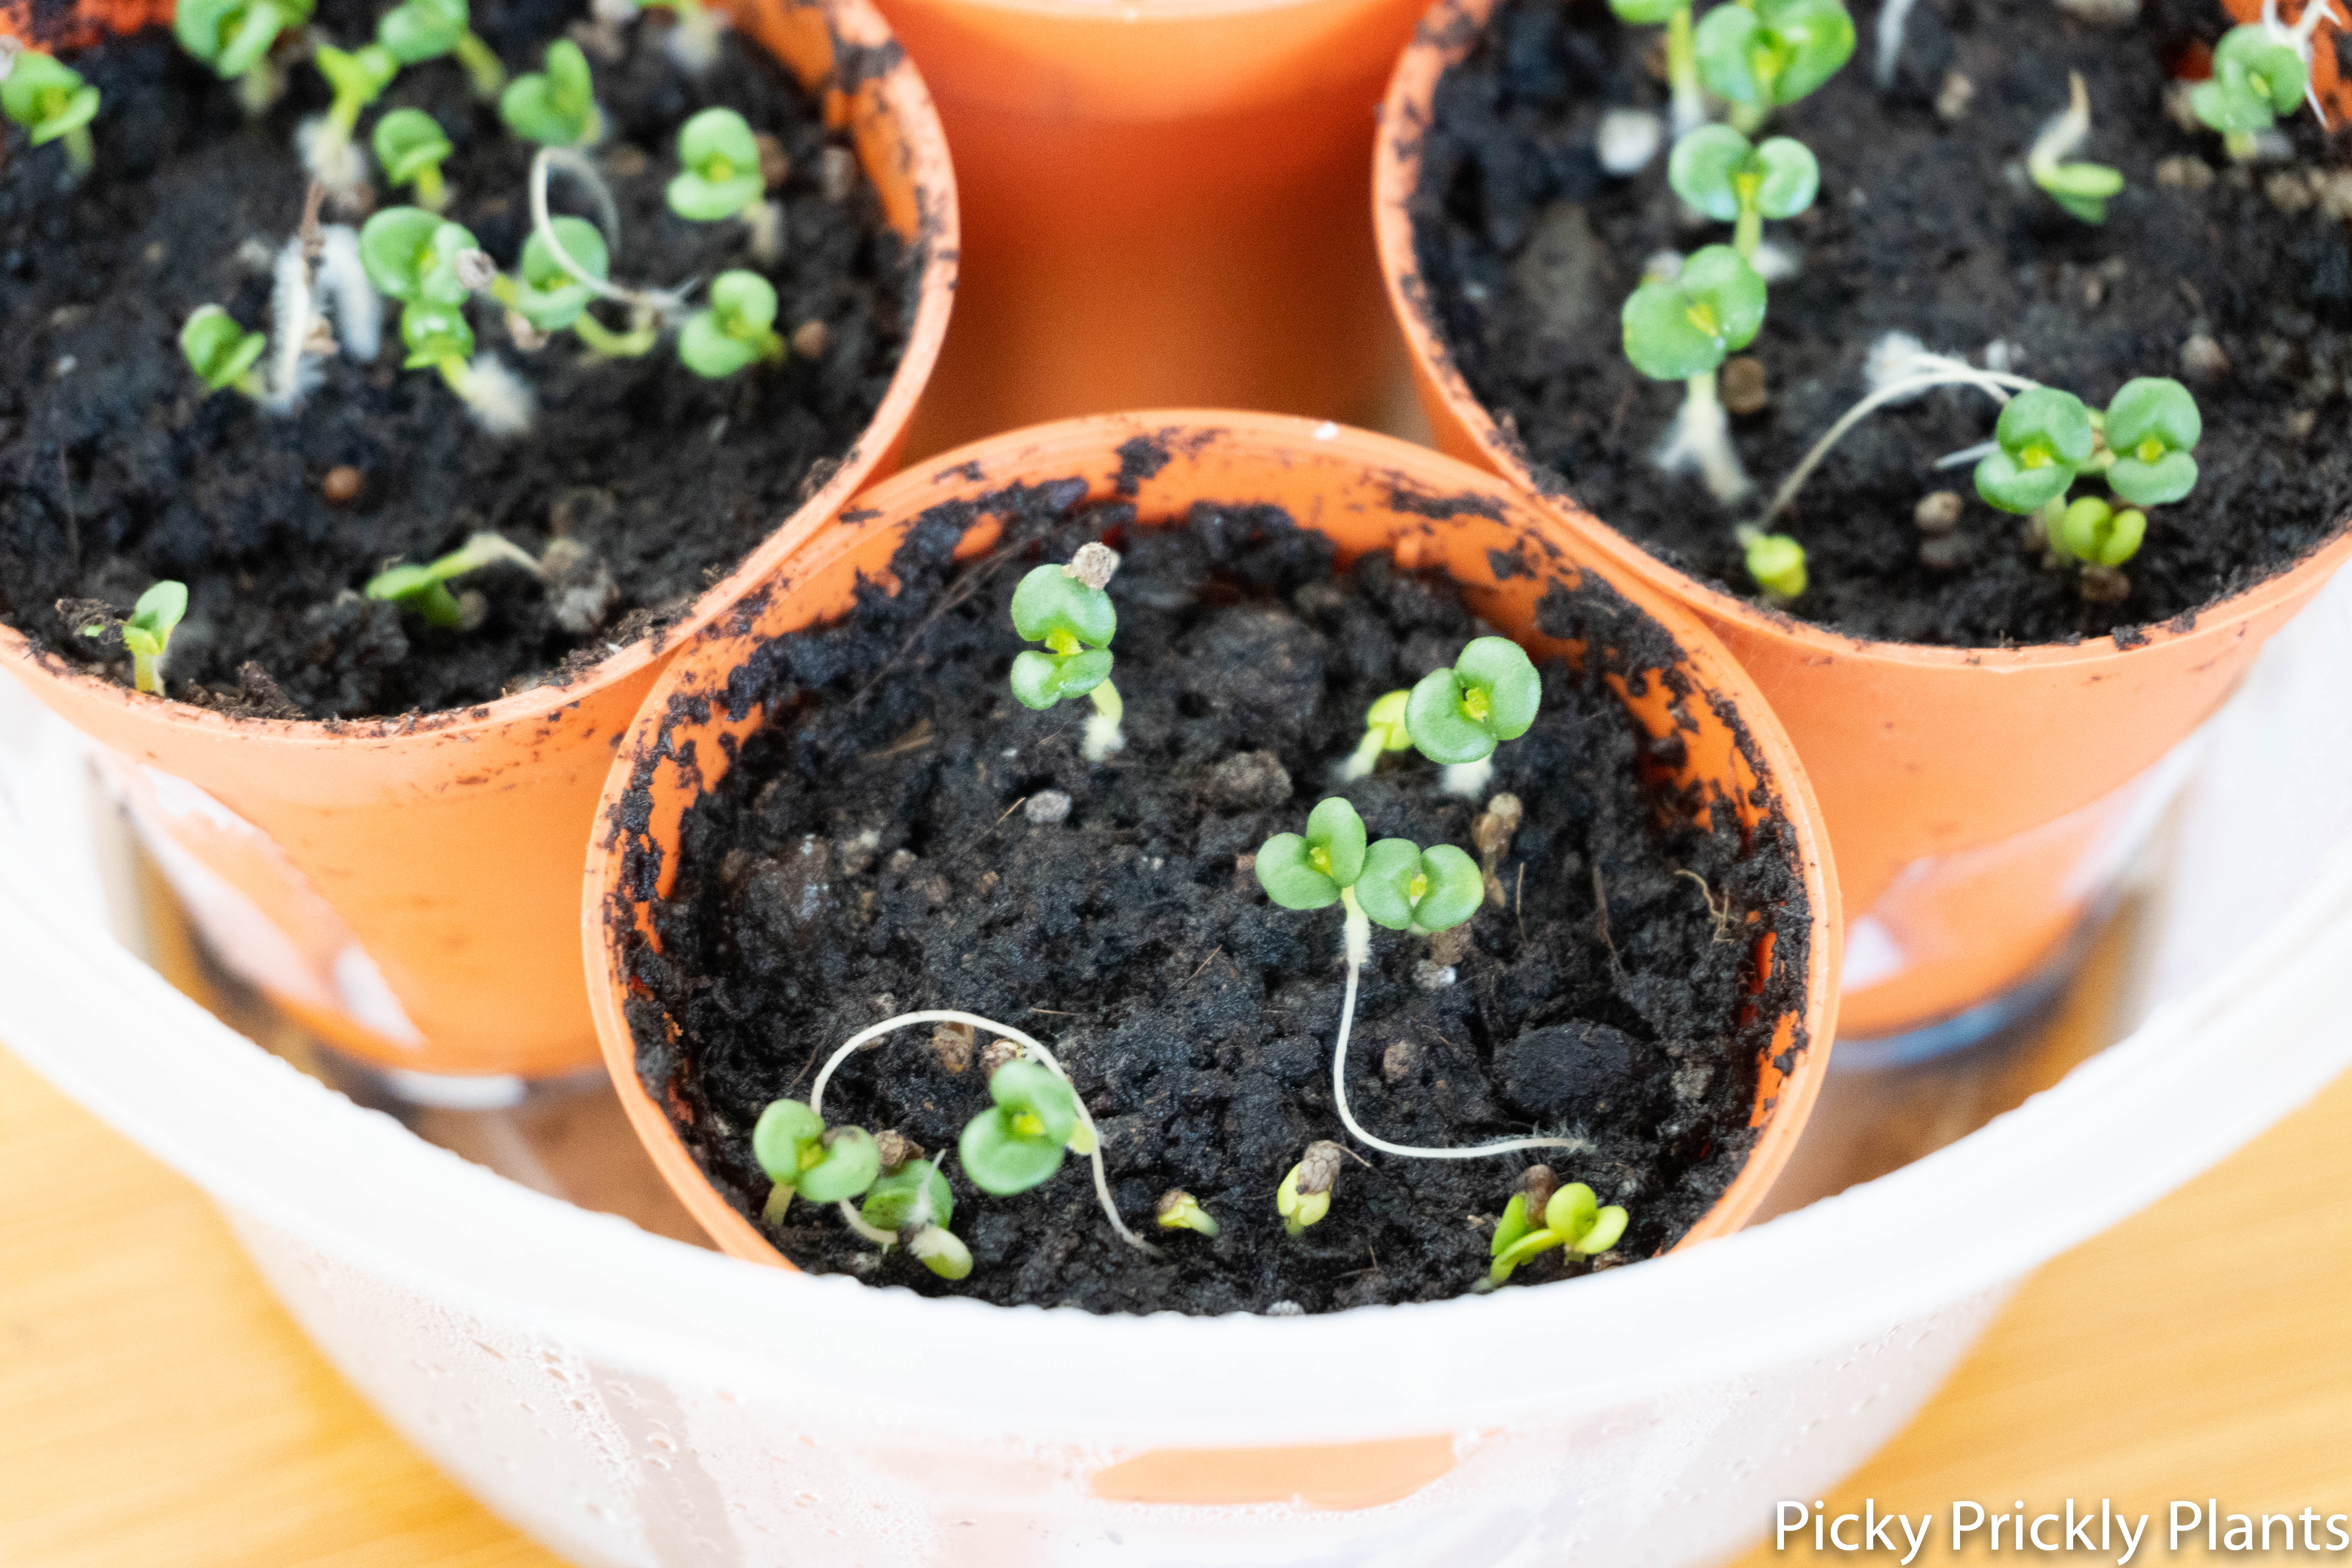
x=557, y=106
x=720, y=177
x=431, y=266
x=223, y=353
x=1065, y=608
x=1572, y=1217
x=1761, y=57
x=1305, y=1195
x=2082, y=189
x=236, y=37
x=1689, y=103
x=410, y=147
x=425, y=589
x=735, y=327
x=1179, y=1210
x=147, y=633
x=806, y=1158
x=2260, y=71
x=51, y=102
x=417, y=31
x=2046, y=439
x=1385, y=731
x=549, y=299
x=357, y=78
x=1457, y=716
x=912, y=1205
x=1018, y=1142
x=1681, y=329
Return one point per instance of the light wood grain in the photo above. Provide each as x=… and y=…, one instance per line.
x=161, y=1411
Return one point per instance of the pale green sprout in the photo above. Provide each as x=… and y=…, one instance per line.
x=1774, y=560
x=1385, y=731
x=425, y=589
x=719, y=167
x=1683, y=329
x=147, y=633
x=410, y=147
x=2260, y=71
x=1572, y=1218
x=549, y=298
x=802, y=1156
x=1689, y=104
x=223, y=353
x=357, y=78
x=419, y=30
x=1394, y=882
x=1760, y=56
x=52, y=103
x=736, y=328
x=2082, y=189
x=912, y=1205
x=1722, y=174
x=1179, y=1210
x=2046, y=439
x=1490, y=695
x=1305, y=1195
x=431, y=266
x=1065, y=608
x=555, y=107
x=236, y=37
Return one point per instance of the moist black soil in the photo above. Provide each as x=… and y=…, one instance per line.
x=877, y=853
x=1927, y=226
x=117, y=469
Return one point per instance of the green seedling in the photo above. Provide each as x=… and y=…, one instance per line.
x=719, y=167
x=1018, y=1142
x=1489, y=696
x=2082, y=189
x=2260, y=72
x=147, y=633
x=425, y=589
x=52, y=103
x=223, y=353
x=431, y=266
x=1179, y=1210
x=802, y=1156
x=2046, y=439
x=236, y=39
x=736, y=329
x=1394, y=882
x=1762, y=57
x=2097, y=534
x=549, y=299
x=1385, y=731
x=1689, y=104
x=1775, y=562
x=1731, y=180
x=555, y=107
x=1065, y=608
x=2152, y=426
x=417, y=31
x=1572, y=1218
x=413, y=256
x=912, y=1205
x=1314, y=870
x=1406, y=887
x=410, y=147
x=1305, y=1195
x=357, y=78
x=1682, y=330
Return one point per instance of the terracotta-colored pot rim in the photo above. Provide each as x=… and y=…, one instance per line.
x=1067, y=445
x=855, y=23
x=1444, y=35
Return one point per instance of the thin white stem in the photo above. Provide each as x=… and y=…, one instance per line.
x=1967, y=455
x=1891, y=18
x=668, y=304
x=884, y=1240
x=1934, y=371
x=1700, y=438
x=2063, y=133
x=1358, y=936
x=1037, y=1053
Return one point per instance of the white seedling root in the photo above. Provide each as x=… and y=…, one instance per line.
x=1036, y=1052
x=1700, y=439
x=351, y=301
x=335, y=162
x=668, y=305
x=1359, y=948
x=293, y=310
x=1628, y=139
x=1468, y=780
x=501, y=401
x=765, y=222
x=1927, y=373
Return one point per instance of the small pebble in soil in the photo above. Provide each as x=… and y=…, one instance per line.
x=1939, y=512
x=810, y=338
x=1628, y=140
x=837, y=173
x=2290, y=191
x=2186, y=172
x=776, y=163
x=1744, y=389
x=1285, y=1309
x=343, y=485
x=2300, y=424
x=2105, y=585
x=1046, y=807
x=1431, y=975
x=1400, y=1061
x=1943, y=552
x=1249, y=780
x=953, y=1045
x=1952, y=98
x=2203, y=359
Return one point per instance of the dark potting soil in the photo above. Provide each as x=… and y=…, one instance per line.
x=117, y=469
x=1927, y=226
x=885, y=851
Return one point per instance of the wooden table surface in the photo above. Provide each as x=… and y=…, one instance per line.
x=162, y=1412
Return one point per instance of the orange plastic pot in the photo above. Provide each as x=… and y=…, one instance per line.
x=1162, y=204
x=1365, y=493
x=1971, y=793
x=439, y=855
